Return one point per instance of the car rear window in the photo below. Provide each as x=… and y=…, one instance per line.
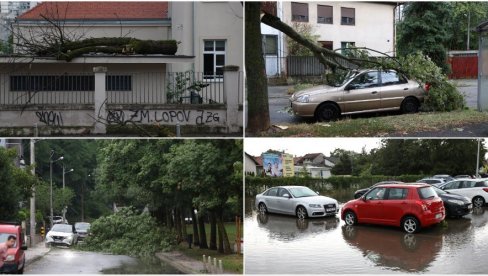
x=426, y=192
x=481, y=184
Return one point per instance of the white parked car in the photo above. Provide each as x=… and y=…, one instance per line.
x=62, y=234
x=474, y=189
x=296, y=200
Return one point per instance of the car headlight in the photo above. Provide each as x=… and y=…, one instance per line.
x=314, y=205
x=303, y=98
x=10, y=258
x=455, y=201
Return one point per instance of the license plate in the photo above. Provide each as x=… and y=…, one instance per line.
x=330, y=210
x=438, y=216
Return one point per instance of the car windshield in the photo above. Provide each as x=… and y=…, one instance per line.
x=350, y=75
x=301, y=192
x=439, y=191
x=66, y=228
x=4, y=237
x=427, y=193
x=82, y=226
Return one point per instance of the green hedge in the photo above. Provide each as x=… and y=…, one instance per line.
x=255, y=185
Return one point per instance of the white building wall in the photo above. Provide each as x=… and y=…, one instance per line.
x=275, y=63
x=374, y=27
x=249, y=165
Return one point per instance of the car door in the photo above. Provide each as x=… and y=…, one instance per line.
x=467, y=188
x=270, y=199
x=371, y=207
x=395, y=205
x=362, y=93
x=284, y=204
x=453, y=185
x=393, y=88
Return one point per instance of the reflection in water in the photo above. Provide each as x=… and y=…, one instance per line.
x=286, y=245
x=392, y=248
x=286, y=228
x=143, y=266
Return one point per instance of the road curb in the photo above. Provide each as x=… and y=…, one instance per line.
x=185, y=266
x=36, y=258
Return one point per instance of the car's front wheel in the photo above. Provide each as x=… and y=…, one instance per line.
x=350, y=218
x=410, y=225
x=301, y=212
x=478, y=201
x=327, y=112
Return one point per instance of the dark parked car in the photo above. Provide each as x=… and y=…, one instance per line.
x=455, y=205
x=361, y=192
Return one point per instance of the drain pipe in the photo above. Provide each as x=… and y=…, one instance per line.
x=178, y=130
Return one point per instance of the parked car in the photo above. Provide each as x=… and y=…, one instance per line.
x=361, y=192
x=83, y=230
x=62, y=234
x=59, y=219
x=475, y=189
x=444, y=177
x=410, y=206
x=463, y=176
x=15, y=261
x=432, y=181
x=456, y=205
x=361, y=91
x=296, y=200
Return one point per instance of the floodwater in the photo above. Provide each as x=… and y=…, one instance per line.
x=62, y=260
x=286, y=245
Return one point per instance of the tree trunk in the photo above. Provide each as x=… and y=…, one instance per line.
x=225, y=239
x=213, y=231
x=221, y=241
x=257, y=86
x=196, y=237
x=203, y=235
x=177, y=222
x=183, y=225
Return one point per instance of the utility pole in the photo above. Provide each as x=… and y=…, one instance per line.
x=33, y=198
x=51, y=161
x=478, y=160
x=469, y=19
x=64, y=185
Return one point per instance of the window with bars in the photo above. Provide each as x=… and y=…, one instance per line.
x=19, y=83
x=213, y=59
x=348, y=16
x=299, y=12
x=324, y=14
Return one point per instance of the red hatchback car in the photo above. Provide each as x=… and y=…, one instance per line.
x=410, y=206
x=15, y=261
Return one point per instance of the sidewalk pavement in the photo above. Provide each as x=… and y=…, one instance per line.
x=182, y=262
x=35, y=252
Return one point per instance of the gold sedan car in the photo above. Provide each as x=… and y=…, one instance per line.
x=361, y=91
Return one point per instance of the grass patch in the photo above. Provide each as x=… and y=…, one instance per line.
x=385, y=125
x=231, y=262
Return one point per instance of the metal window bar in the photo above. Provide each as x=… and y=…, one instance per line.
x=194, y=88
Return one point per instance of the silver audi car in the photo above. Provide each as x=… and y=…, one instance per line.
x=296, y=200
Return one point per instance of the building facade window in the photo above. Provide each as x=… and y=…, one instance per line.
x=52, y=83
x=299, y=12
x=345, y=45
x=327, y=44
x=325, y=14
x=348, y=16
x=213, y=59
x=270, y=45
x=118, y=83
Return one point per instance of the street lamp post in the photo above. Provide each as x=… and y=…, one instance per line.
x=51, y=161
x=65, y=172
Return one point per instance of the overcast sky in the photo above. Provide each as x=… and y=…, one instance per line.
x=301, y=146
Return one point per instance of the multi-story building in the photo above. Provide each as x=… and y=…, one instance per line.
x=9, y=10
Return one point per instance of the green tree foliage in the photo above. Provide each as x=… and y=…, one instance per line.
x=425, y=28
x=128, y=232
x=15, y=186
x=461, y=13
x=297, y=49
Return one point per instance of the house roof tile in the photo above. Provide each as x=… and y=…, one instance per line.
x=98, y=11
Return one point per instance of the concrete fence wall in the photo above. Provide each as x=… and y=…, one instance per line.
x=93, y=118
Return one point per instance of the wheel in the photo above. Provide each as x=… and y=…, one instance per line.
x=410, y=225
x=478, y=201
x=410, y=241
x=262, y=208
x=302, y=212
x=327, y=112
x=21, y=271
x=410, y=105
x=350, y=218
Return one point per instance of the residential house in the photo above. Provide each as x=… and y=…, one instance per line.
x=317, y=165
x=273, y=41
x=340, y=25
x=250, y=164
x=186, y=88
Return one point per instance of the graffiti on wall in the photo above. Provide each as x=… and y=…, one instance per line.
x=197, y=117
x=50, y=118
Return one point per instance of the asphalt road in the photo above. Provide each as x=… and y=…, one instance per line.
x=279, y=105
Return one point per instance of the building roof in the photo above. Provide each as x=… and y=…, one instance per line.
x=258, y=160
x=98, y=11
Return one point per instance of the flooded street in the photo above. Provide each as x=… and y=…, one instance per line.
x=286, y=245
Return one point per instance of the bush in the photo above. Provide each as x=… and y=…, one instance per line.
x=444, y=97
x=128, y=233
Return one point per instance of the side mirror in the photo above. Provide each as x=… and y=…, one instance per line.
x=23, y=247
x=286, y=196
x=363, y=198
